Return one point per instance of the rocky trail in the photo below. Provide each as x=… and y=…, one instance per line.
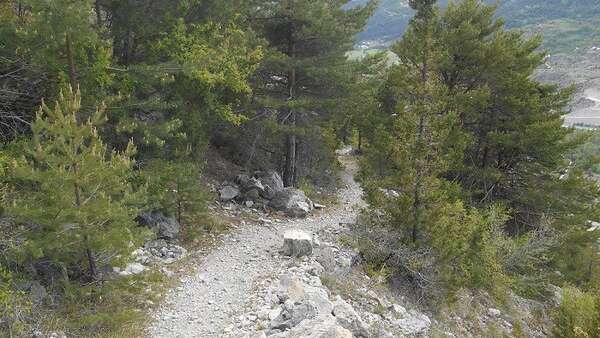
x=227, y=284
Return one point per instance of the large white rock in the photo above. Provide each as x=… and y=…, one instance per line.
x=293, y=202
x=297, y=243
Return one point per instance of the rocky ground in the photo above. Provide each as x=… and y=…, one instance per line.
x=297, y=278
x=247, y=286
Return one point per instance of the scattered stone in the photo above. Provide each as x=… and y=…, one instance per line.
x=297, y=243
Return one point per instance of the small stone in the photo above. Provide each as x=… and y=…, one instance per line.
x=494, y=312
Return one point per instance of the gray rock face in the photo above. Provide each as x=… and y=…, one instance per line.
x=164, y=227
x=297, y=243
x=293, y=202
x=228, y=193
x=347, y=317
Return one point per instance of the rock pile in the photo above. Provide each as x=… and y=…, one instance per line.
x=298, y=305
x=265, y=189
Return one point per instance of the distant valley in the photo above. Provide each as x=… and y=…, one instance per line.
x=571, y=31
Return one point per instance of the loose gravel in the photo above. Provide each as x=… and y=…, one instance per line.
x=211, y=300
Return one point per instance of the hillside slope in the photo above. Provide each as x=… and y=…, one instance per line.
x=565, y=24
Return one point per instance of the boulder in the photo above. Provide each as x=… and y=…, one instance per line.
x=293, y=202
x=292, y=314
x=242, y=180
x=290, y=288
x=164, y=227
x=317, y=328
x=326, y=257
x=348, y=318
x=297, y=243
x=228, y=192
x=319, y=298
x=252, y=195
x=253, y=184
x=271, y=181
x=413, y=323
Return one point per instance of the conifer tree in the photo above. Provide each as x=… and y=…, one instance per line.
x=305, y=67
x=76, y=191
x=420, y=140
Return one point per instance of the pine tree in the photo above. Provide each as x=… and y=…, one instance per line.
x=76, y=191
x=306, y=65
x=420, y=140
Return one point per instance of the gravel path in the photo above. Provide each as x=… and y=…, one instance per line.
x=209, y=302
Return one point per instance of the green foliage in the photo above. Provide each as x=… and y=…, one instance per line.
x=587, y=156
x=74, y=190
x=174, y=188
x=577, y=316
x=14, y=307
x=469, y=245
x=112, y=310
x=215, y=63
x=466, y=157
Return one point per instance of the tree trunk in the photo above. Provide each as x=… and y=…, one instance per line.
x=289, y=176
x=359, y=141
x=98, y=13
x=290, y=158
x=71, y=62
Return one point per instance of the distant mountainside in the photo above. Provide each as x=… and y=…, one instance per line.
x=565, y=24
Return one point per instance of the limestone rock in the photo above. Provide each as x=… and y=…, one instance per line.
x=292, y=314
x=290, y=288
x=347, y=317
x=228, y=193
x=293, y=202
x=297, y=243
x=414, y=323
x=272, y=183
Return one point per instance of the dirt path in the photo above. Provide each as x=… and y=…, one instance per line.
x=210, y=300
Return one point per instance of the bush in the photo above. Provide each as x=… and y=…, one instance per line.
x=75, y=193
x=14, y=307
x=577, y=316
x=174, y=187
